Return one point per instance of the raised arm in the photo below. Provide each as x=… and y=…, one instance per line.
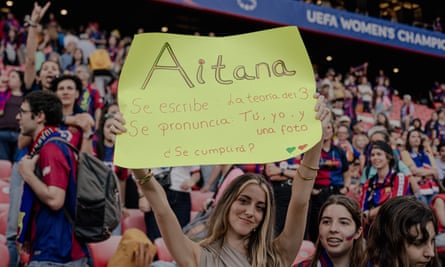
x=31, y=43
x=184, y=251
x=291, y=238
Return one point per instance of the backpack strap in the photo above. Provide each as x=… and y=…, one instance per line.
x=71, y=184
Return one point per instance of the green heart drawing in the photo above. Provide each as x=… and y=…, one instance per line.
x=290, y=149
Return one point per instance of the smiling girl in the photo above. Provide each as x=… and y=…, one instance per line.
x=340, y=240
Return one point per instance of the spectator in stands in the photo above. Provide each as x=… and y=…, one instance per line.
x=13, y=97
x=45, y=231
x=332, y=179
x=342, y=140
x=90, y=99
x=407, y=112
x=113, y=50
x=360, y=142
x=403, y=234
x=365, y=94
x=437, y=24
x=328, y=81
x=241, y=227
x=281, y=175
x=379, y=133
x=437, y=92
x=346, y=121
x=429, y=125
x=10, y=48
x=340, y=241
x=417, y=124
x=338, y=87
x=382, y=119
x=440, y=162
x=67, y=88
x=10, y=101
x=381, y=102
x=422, y=165
x=387, y=183
x=76, y=61
x=359, y=127
x=349, y=107
x=67, y=57
x=439, y=126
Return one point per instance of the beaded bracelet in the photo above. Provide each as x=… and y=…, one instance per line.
x=309, y=167
x=308, y=178
x=146, y=178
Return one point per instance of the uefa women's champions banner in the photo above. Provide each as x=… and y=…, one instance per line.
x=328, y=21
x=191, y=100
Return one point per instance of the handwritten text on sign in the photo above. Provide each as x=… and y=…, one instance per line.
x=191, y=100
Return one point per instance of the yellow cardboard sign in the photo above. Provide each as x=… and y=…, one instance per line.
x=193, y=100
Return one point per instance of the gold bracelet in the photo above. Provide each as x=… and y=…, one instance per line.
x=146, y=178
x=309, y=167
x=308, y=178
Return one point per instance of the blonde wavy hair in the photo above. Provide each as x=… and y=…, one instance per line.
x=260, y=249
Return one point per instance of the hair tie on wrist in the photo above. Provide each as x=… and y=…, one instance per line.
x=309, y=167
x=305, y=178
x=146, y=178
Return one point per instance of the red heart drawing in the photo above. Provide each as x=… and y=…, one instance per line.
x=302, y=147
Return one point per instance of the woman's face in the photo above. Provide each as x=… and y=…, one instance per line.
x=48, y=72
x=362, y=141
x=14, y=81
x=337, y=230
x=328, y=133
x=415, y=139
x=381, y=118
x=247, y=211
x=420, y=253
x=379, y=158
x=107, y=130
x=113, y=109
x=67, y=92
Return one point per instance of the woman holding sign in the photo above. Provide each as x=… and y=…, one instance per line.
x=242, y=224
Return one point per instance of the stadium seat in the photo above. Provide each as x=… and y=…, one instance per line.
x=198, y=199
x=135, y=219
x=162, y=250
x=305, y=253
x=4, y=192
x=101, y=252
x=5, y=169
x=4, y=255
x=4, y=209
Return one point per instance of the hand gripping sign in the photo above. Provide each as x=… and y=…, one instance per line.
x=193, y=100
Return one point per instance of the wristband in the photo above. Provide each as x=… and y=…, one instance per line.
x=146, y=178
x=305, y=178
x=88, y=136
